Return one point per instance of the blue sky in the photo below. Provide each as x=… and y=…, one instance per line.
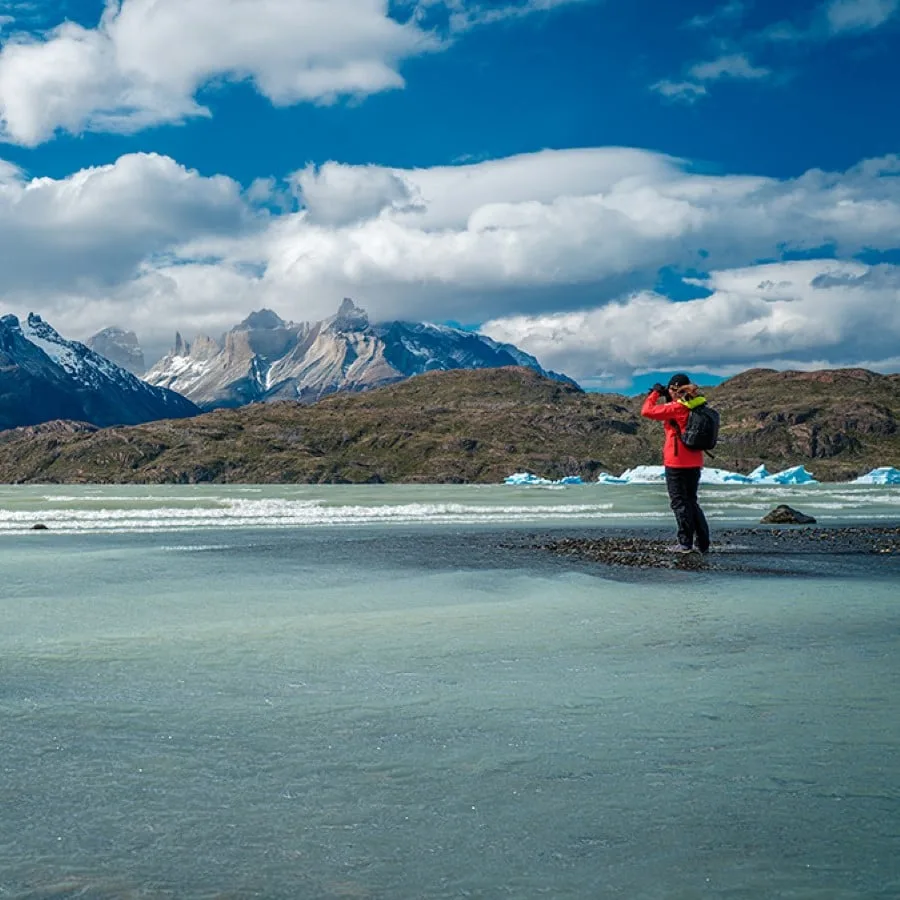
x=721, y=191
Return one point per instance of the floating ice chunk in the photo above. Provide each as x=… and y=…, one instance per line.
x=722, y=476
x=644, y=475
x=526, y=478
x=710, y=475
x=883, y=475
x=795, y=475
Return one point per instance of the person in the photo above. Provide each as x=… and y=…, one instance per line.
x=683, y=465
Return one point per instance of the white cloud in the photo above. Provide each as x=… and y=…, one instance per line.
x=829, y=20
x=833, y=19
x=100, y=225
x=732, y=66
x=145, y=61
x=148, y=244
x=468, y=15
x=456, y=16
x=858, y=15
x=725, y=14
x=341, y=195
x=795, y=314
x=689, y=91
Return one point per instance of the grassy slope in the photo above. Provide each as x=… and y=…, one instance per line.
x=473, y=426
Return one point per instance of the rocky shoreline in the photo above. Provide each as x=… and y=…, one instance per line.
x=765, y=551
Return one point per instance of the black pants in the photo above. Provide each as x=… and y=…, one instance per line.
x=682, y=485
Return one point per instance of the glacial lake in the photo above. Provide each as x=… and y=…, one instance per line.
x=380, y=692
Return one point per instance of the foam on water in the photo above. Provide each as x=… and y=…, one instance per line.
x=115, y=510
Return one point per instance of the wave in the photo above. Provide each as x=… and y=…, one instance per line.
x=188, y=509
x=273, y=513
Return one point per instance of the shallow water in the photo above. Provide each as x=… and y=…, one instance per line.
x=412, y=709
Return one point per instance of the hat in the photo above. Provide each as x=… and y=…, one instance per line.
x=679, y=380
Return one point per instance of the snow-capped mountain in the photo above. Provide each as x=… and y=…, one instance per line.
x=266, y=358
x=121, y=347
x=45, y=377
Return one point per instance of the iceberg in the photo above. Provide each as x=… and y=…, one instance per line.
x=883, y=475
x=526, y=478
x=644, y=475
x=723, y=476
x=606, y=478
x=794, y=475
x=657, y=475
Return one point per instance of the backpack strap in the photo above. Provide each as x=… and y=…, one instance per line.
x=679, y=438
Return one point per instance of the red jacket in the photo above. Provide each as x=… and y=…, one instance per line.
x=675, y=454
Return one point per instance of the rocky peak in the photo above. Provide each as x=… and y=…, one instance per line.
x=204, y=347
x=263, y=333
x=119, y=346
x=263, y=320
x=39, y=328
x=349, y=317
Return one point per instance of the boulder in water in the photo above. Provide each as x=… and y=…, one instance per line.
x=786, y=515
x=40, y=526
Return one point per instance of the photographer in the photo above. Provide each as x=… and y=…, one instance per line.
x=671, y=405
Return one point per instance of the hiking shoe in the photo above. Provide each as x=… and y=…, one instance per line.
x=679, y=548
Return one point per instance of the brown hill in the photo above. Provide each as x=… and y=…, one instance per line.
x=473, y=426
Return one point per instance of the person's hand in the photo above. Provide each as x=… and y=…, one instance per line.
x=659, y=389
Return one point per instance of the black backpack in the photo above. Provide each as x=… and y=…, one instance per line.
x=702, y=429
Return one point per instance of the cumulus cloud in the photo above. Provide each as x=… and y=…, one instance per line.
x=148, y=244
x=146, y=60
x=341, y=195
x=70, y=244
x=802, y=314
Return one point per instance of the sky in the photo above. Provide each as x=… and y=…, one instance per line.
x=619, y=188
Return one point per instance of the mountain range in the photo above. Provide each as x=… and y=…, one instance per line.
x=44, y=377
x=265, y=358
x=474, y=426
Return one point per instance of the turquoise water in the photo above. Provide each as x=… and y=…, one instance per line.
x=329, y=692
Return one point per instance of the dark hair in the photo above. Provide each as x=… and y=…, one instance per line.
x=679, y=380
